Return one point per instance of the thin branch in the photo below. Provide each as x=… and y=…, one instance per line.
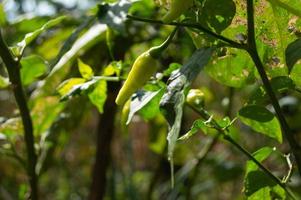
x=204, y=114
x=13, y=69
x=230, y=42
x=252, y=50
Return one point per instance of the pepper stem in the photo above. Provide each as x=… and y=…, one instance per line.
x=156, y=51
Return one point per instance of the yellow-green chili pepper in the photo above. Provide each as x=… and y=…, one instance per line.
x=177, y=8
x=143, y=68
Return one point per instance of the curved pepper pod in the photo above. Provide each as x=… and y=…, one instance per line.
x=143, y=68
x=177, y=8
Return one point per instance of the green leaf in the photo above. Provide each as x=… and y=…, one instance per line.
x=296, y=75
x=261, y=120
x=65, y=87
x=172, y=67
x=85, y=70
x=152, y=108
x=79, y=89
x=4, y=82
x=99, y=95
x=289, y=5
x=273, y=37
x=141, y=100
x=282, y=84
x=114, y=15
x=3, y=20
x=62, y=67
x=257, y=184
x=197, y=125
x=70, y=41
x=235, y=69
x=32, y=68
x=217, y=14
x=293, y=53
x=19, y=48
x=279, y=84
x=113, y=68
x=262, y=190
x=260, y=155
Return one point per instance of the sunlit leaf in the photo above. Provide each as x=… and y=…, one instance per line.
x=260, y=155
x=65, y=87
x=85, y=70
x=289, y=5
x=88, y=39
x=261, y=120
x=32, y=68
x=113, y=68
x=197, y=125
x=99, y=95
x=235, y=69
x=79, y=89
x=2, y=15
x=19, y=48
x=4, y=82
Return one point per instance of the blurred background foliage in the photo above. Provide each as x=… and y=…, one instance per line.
x=67, y=133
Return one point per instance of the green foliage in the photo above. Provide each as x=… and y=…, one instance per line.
x=19, y=48
x=61, y=67
x=98, y=95
x=217, y=15
x=234, y=69
x=3, y=82
x=261, y=120
x=33, y=67
x=257, y=184
x=292, y=53
x=146, y=103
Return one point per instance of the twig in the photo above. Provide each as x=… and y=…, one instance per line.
x=13, y=69
x=252, y=50
x=204, y=114
x=290, y=168
x=230, y=42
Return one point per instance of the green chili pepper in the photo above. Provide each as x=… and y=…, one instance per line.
x=143, y=68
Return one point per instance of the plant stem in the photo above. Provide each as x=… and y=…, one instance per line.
x=252, y=50
x=13, y=69
x=104, y=138
x=204, y=114
x=230, y=42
